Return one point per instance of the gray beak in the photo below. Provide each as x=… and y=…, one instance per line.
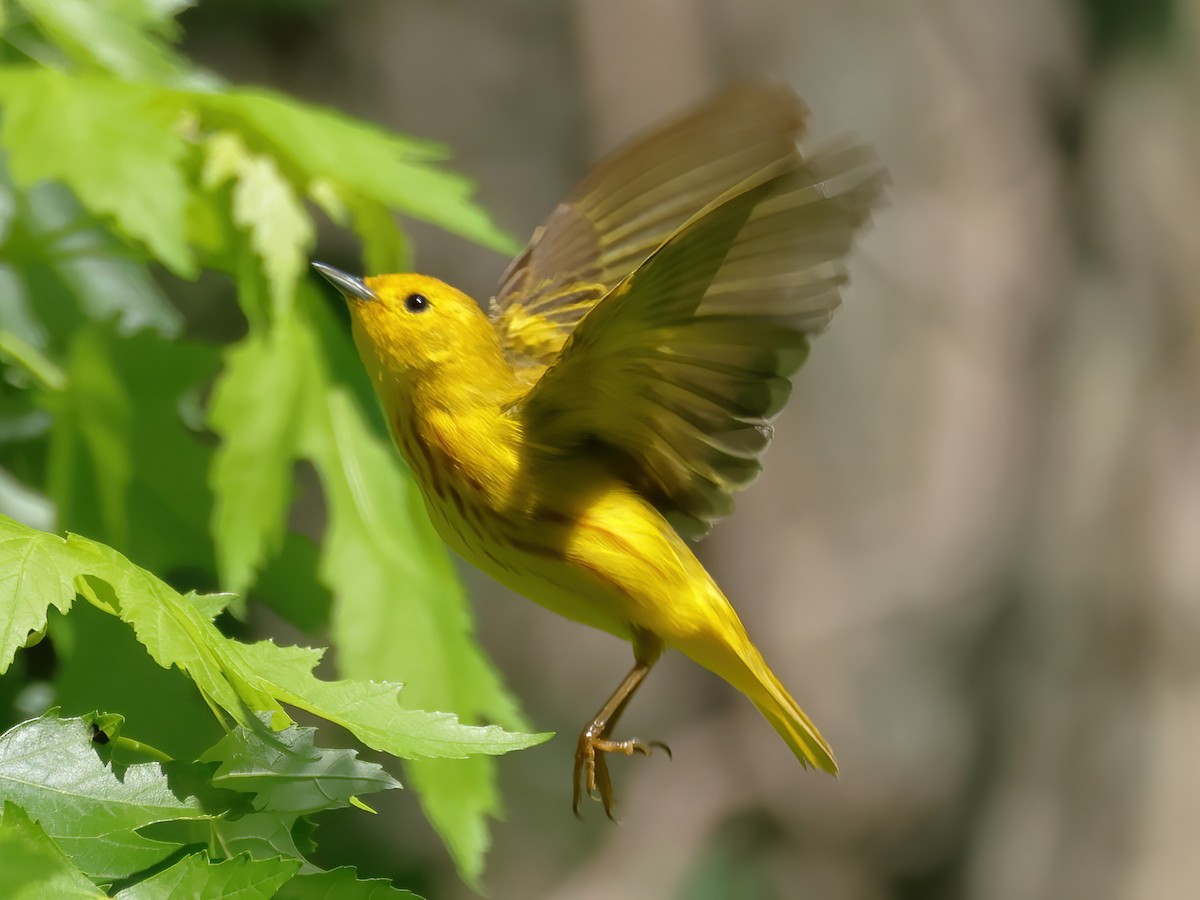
x=349, y=285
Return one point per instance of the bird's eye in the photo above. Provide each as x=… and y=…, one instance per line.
x=416, y=303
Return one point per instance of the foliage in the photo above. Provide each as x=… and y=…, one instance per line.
x=124, y=169
x=71, y=820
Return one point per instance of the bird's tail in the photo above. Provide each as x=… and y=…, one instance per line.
x=737, y=660
x=786, y=717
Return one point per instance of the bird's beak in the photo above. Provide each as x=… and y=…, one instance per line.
x=349, y=285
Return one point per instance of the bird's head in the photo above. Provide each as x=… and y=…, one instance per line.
x=410, y=328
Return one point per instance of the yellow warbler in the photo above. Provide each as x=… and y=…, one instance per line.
x=619, y=392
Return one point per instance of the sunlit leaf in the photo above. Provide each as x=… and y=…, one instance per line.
x=357, y=158
x=53, y=124
x=258, y=409
x=384, y=247
x=242, y=679
x=32, y=866
x=370, y=710
x=101, y=665
x=30, y=583
x=267, y=207
x=116, y=35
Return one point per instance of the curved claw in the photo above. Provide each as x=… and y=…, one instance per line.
x=591, y=767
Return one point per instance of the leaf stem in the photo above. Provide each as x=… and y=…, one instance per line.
x=145, y=749
x=33, y=361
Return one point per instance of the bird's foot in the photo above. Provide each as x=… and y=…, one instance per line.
x=591, y=766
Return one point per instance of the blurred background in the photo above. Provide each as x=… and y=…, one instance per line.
x=974, y=555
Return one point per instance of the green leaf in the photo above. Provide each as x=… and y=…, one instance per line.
x=261, y=835
x=342, y=883
x=115, y=35
x=258, y=410
x=381, y=539
x=459, y=797
x=32, y=866
x=102, y=665
x=289, y=774
x=52, y=126
x=52, y=229
x=384, y=247
x=197, y=878
x=289, y=586
x=433, y=195
x=50, y=768
x=85, y=258
x=169, y=505
x=359, y=159
x=243, y=679
x=313, y=139
x=92, y=414
x=29, y=584
x=265, y=205
x=370, y=710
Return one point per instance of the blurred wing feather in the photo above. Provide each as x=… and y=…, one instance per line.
x=678, y=369
x=627, y=206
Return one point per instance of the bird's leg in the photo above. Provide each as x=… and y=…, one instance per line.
x=591, y=768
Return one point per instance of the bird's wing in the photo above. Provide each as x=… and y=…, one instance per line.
x=627, y=206
x=678, y=370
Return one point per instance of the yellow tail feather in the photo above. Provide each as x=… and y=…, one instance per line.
x=786, y=717
x=732, y=655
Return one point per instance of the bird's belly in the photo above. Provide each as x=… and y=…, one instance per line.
x=527, y=555
x=612, y=563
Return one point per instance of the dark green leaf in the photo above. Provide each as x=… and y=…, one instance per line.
x=103, y=666
x=289, y=586
x=196, y=878
x=261, y=835
x=288, y=774
x=50, y=768
x=92, y=419
x=88, y=262
x=341, y=884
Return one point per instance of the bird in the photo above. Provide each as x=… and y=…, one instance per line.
x=573, y=438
